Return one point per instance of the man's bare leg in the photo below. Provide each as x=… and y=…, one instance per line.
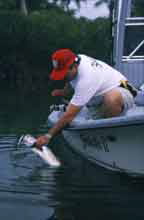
x=112, y=103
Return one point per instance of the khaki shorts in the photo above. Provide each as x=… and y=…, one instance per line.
x=95, y=103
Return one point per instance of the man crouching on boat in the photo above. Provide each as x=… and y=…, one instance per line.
x=89, y=78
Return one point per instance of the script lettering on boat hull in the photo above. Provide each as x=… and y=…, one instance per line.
x=99, y=142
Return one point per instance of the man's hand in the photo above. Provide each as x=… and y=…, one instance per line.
x=58, y=92
x=66, y=118
x=67, y=90
x=42, y=140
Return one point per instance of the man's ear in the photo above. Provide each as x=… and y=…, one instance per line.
x=77, y=60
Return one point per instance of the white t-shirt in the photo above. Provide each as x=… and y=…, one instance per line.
x=94, y=78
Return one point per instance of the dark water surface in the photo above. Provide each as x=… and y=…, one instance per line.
x=31, y=190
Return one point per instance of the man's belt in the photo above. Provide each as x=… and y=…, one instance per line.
x=125, y=84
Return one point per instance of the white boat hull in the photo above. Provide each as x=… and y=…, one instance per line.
x=115, y=143
x=118, y=148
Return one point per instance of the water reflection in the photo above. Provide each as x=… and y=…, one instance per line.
x=75, y=191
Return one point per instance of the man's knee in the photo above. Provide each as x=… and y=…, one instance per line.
x=113, y=103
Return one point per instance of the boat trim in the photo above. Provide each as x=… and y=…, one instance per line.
x=106, y=123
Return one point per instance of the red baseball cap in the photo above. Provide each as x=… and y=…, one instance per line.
x=61, y=60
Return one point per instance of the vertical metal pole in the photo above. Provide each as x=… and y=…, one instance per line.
x=123, y=10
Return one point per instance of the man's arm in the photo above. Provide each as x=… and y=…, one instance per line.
x=66, y=91
x=66, y=118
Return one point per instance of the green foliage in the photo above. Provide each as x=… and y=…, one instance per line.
x=138, y=8
x=32, y=5
x=7, y=4
x=27, y=43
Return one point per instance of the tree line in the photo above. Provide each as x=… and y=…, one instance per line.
x=27, y=43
